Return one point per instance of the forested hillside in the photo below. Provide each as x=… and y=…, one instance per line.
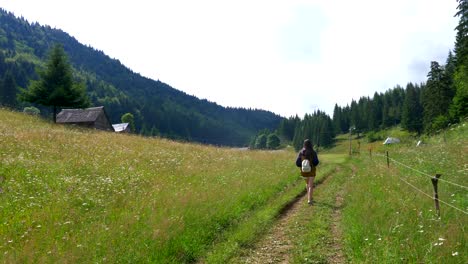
x=159, y=109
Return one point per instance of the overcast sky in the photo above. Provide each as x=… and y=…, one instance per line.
x=287, y=56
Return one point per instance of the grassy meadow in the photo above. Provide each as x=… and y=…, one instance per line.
x=70, y=195
x=386, y=218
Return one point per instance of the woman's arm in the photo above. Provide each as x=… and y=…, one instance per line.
x=299, y=160
x=315, y=159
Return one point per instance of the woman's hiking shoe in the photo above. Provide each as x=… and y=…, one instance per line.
x=311, y=202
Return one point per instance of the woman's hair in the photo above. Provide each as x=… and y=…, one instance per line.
x=308, y=148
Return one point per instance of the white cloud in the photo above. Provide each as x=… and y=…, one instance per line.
x=285, y=56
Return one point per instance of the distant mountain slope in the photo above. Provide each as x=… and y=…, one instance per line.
x=158, y=108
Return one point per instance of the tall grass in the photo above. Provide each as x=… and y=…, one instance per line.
x=70, y=195
x=387, y=220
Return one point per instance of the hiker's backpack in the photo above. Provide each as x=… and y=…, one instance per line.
x=306, y=166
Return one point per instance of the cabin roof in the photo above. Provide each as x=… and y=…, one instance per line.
x=80, y=115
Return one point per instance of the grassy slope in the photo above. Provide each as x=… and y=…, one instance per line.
x=72, y=195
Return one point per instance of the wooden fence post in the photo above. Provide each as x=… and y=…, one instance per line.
x=388, y=161
x=370, y=152
x=350, y=142
x=435, y=180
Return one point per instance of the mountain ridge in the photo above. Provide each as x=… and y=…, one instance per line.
x=159, y=109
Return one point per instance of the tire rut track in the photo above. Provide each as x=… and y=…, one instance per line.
x=276, y=245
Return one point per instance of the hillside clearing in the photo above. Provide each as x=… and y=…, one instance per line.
x=76, y=195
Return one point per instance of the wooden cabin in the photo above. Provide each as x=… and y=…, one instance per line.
x=94, y=117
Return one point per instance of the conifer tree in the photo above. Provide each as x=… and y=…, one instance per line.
x=386, y=116
x=459, y=107
x=55, y=86
x=8, y=90
x=412, y=110
x=375, y=118
x=435, y=97
x=337, y=119
x=3, y=65
x=354, y=114
x=461, y=41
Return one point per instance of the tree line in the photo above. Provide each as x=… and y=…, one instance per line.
x=318, y=127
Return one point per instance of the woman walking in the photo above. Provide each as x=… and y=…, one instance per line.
x=307, y=160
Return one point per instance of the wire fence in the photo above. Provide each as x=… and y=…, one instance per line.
x=432, y=178
x=422, y=173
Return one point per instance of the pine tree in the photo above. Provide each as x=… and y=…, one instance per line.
x=375, y=118
x=398, y=98
x=354, y=114
x=337, y=119
x=435, y=97
x=459, y=107
x=386, y=115
x=56, y=87
x=8, y=90
x=461, y=41
x=412, y=110
x=3, y=65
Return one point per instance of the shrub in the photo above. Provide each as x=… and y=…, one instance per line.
x=273, y=141
x=372, y=137
x=440, y=122
x=31, y=110
x=261, y=142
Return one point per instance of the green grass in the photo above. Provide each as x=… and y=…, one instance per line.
x=312, y=231
x=387, y=220
x=71, y=195
x=244, y=236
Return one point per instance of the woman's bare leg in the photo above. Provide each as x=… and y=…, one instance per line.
x=310, y=189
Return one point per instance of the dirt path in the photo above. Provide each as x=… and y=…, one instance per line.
x=338, y=256
x=276, y=245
